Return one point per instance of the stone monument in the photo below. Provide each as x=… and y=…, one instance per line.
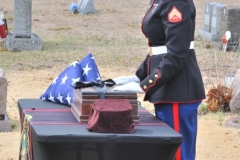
x=215, y=19
x=233, y=25
x=235, y=100
x=234, y=121
x=219, y=24
x=218, y=19
x=208, y=16
x=5, y=125
x=22, y=37
x=86, y=7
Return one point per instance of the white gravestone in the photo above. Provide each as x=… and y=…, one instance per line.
x=86, y=7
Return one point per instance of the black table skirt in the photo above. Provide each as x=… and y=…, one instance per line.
x=57, y=135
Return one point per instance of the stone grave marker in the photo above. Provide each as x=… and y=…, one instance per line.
x=22, y=37
x=22, y=26
x=208, y=16
x=219, y=19
x=228, y=80
x=5, y=124
x=205, y=33
x=233, y=26
x=235, y=100
x=230, y=22
x=223, y=21
x=219, y=24
x=234, y=121
x=86, y=7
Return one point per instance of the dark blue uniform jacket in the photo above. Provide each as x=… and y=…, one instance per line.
x=175, y=75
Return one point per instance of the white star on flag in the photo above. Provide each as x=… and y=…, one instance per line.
x=86, y=69
x=98, y=78
x=68, y=99
x=54, y=81
x=59, y=97
x=64, y=79
x=51, y=97
x=74, y=63
x=74, y=80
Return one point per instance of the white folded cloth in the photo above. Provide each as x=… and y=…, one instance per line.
x=130, y=87
x=126, y=79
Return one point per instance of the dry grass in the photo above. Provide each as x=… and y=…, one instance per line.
x=114, y=37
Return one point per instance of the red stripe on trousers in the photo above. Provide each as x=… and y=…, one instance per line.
x=176, y=127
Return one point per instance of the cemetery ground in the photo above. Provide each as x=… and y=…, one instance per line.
x=114, y=37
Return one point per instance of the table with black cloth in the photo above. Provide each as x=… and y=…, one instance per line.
x=55, y=134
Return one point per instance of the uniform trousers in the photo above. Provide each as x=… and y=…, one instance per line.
x=182, y=117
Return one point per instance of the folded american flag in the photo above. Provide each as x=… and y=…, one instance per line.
x=61, y=91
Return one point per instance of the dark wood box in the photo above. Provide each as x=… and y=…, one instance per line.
x=83, y=98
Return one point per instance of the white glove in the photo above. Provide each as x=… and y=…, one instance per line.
x=131, y=86
x=126, y=79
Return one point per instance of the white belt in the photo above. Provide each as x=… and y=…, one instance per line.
x=163, y=49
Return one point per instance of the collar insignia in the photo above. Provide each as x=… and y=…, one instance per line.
x=174, y=15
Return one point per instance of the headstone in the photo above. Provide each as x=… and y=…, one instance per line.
x=219, y=24
x=205, y=33
x=235, y=99
x=86, y=7
x=219, y=19
x=208, y=15
x=233, y=26
x=22, y=37
x=228, y=80
x=223, y=20
x=22, y=18
x=5, y=125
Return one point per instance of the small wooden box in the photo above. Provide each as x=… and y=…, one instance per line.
x=83, y=98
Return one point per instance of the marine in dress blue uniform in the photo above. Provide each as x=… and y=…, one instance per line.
x=170, y=75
